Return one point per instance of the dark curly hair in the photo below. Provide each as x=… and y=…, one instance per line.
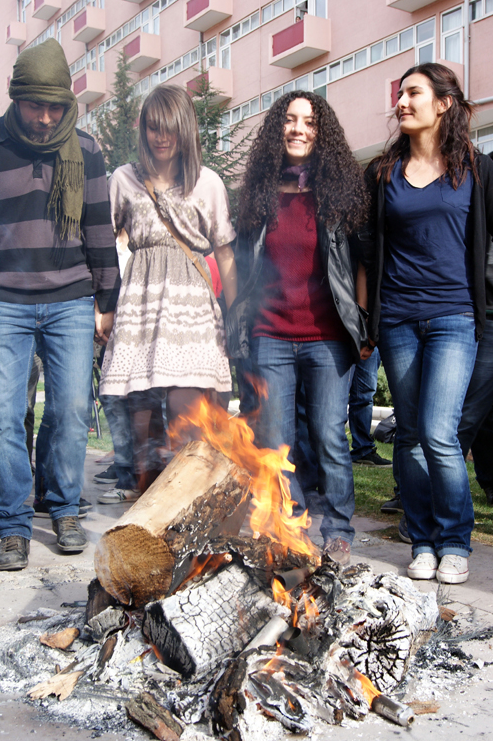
x=336, y=179
x=456, y=147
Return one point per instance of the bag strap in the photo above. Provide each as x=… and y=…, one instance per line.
x=169, y=226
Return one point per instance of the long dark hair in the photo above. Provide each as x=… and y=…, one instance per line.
x=335, y=177
x=456, y=147
x=170, y=108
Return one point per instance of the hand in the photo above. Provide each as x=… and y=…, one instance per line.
x=366, y=351
x=103, y=325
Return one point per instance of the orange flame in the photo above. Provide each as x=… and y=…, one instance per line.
x=311, y=611
x=280, y=594
x=369, y=689
x=273, y=507
x=205, y=563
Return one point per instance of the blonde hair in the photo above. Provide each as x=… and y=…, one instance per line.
x=171, y=110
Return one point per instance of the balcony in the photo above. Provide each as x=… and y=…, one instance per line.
x=142, y=51
x=200, y=15
x=303, y=41
x=44, y=9
x=220, y=80
x=89, y=24
x=90, y=86
x=135, y=2
x=16, y=33
x=409, y=5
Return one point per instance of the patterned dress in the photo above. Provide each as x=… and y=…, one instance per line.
x=168, y=327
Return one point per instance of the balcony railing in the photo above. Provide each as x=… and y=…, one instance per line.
x=89, y=24
x=409, y=5
x=90, y=86
x=143, y=51
x=200, y=15
x=44, y=9
x=16, y=33
x=220, y=80
x=301, y=42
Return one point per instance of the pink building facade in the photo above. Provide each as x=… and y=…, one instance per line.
x=352, y=52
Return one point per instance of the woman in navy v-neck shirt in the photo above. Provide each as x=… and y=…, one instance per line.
x=427, y=310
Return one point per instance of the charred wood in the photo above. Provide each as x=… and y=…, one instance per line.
x=148, y=712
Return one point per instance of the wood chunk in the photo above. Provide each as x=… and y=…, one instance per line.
x=446, y=613
x=61, y=685
x=149, y=551
x=98, y=600
x=197, y=627
x=106, y=622
x=63, y=639
x=147, y=711
x=422, y=707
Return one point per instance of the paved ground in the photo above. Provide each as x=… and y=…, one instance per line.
x=52, y=578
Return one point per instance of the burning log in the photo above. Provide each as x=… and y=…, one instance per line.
x=145, y=710
x=194, y=629
x=149, y=551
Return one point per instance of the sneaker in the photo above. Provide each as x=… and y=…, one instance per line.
x=337, y=550
x=119, y=496
x=109, y=476
x=14, y=550
x=403, y=531
x=488, y=490
x=70, y=536
x=392, y=506
x=373, y=459
x=41, y=510
x=424, y=566
x=453, y=569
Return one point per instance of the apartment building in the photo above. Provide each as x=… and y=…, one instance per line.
x=351, y=52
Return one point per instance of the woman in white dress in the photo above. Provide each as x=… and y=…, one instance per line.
x=168, y=337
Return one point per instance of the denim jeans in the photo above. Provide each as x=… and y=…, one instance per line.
x=323, y=367
x=62, y=333
x=429, y=365
x=117, y=413
x=361, y=393
x=476, y=425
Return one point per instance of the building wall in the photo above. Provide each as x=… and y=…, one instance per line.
x=362, y=99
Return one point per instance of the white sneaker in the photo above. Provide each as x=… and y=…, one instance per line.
x=453, y=569
x=119, y=496
x=424, y=566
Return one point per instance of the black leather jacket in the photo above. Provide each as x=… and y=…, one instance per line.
x=337, y=262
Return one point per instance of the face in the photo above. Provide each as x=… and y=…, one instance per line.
x=40, y=120
x=417, y=108
x=299, y=131
x=163, y=146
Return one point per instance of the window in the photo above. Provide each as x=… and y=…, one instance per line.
x=406, y=39
x=360, y=59
x=392, y=46
x=425, y=41
x=208, y=51
x=452, y=35
x=334, y=71
x=233, y=34
x=376, y=52
x=479, y=8
x=483, y=139
x=170, y=70
x=347, y=66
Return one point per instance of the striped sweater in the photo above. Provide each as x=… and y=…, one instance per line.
x=35, y=266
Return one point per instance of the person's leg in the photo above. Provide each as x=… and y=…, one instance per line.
x=362, y=391
x=479, y=397
x=276, y=363
x=118, y=416
x=482, y=451
x=65, y=345
x=304, y=456
x=17, y=345
x=145, y=409
x=325, y=369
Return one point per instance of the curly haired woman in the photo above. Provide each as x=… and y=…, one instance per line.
x=296, y=311
x=432, y=206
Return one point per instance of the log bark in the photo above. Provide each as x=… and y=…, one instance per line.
x=147, y=711
x=197, y=627
x=149, y=551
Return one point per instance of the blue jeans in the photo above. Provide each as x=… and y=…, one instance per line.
x=476, y=425
x=361, y=393
x=117, y=413
x=62, y=333
x=429, y=365
x=323, y=368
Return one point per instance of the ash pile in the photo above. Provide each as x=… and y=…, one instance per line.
x=198, y=628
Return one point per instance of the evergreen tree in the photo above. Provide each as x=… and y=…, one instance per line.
x=117, y=133
x=224, y=153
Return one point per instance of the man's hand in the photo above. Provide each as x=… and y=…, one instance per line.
x=103, y=325
x=366, y=351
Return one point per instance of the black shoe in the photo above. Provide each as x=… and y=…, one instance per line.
x=488, y=490
x=392, y=506
x=41, y=510
x=374, y=459
x=107, y=477
x=70, y=536
x=14, y=550
x=403, y=533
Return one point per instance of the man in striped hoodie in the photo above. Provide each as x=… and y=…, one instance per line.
x=59, y=283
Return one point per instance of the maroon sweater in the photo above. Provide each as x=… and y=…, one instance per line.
x=297, y=304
